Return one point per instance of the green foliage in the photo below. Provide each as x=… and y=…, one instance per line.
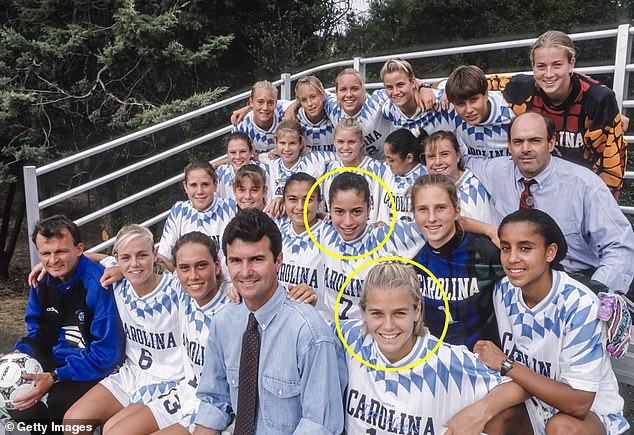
x=76, y=72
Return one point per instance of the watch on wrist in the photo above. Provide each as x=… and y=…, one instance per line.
x=506, y=365
x=54, y=376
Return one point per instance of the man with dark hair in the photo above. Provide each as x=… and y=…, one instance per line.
x=286, y=373
x=600, y=239
x=73, y=326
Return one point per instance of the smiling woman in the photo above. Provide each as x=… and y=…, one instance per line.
x=586, y=115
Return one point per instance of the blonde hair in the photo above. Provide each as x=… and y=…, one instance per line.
x=394, y=276
x=132, y=231
x=290, y=126
x=253, y=172
x=311, y=82
x=353, y=72
x=397, y=65
x=554, y=39
x=349, y=123
x=263, y=84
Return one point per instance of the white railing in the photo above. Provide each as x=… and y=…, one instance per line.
x=621, y=69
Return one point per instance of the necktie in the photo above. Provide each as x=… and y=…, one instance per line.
x=526, y=198
x=248, y=379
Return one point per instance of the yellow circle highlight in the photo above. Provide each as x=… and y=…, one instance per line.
x=392, y=222
x=385, y=368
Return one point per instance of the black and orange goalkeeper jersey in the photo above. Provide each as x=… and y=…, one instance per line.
x=588, y=123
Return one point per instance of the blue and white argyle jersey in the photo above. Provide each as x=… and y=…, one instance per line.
x=195, y=322
x=488, y=139
x=301, y=262
x=150, y=323
x=475, y=201
x=562, y=339
x=413, y=401
x=184, y=218
x=313, y=163
x=375, y=127
x=376, y=190
x=262, y=140
x=420, y=120
x=320, y=136
x=226, y=176
x=405, y=241
x=400, y=186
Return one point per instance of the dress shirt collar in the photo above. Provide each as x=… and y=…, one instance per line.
x=540, y=178
x=267, y=312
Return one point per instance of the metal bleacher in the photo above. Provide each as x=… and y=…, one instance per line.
x=619, y=69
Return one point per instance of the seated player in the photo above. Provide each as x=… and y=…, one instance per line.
x=442, y=156
x=403, y=152
x=600, y=238
x=148, y=308
x=203, y=211
x=73, y=328
x=250, y=187
x=422, y=399
x=466, y=264
x=553, y=345
x=239, y=153
x=301, y=262
x=201, y=293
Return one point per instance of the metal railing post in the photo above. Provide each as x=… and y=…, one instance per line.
x=359, y=66
x=286, y=86
x=32, y=208
x=622, y=58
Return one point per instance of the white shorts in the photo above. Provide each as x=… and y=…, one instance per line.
x=540, y=416
x=177, y=405
x=124, y=382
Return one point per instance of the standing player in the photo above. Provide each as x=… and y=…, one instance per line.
x=553, y=344
x=301, y=262
x=203, y=211
x=442, y=156
x=264, y=114
x=403, y=152
x=239, y=153
x=352, y=102
x=318, y=128
x=402, y=88
x=479, y=118
x=201, y=294
x=148, y=308
x=349, y=148
x=466, y=264
x=586, y=115
x=419, y=400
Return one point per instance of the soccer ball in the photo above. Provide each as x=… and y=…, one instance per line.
x=12, y=385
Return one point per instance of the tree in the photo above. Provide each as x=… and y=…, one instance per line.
x=78, y=72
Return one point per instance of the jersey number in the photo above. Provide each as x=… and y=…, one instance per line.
x=145, y=360
x=172, y=406
x=346, y=304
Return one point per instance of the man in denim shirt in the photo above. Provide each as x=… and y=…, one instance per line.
x=302, y=372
